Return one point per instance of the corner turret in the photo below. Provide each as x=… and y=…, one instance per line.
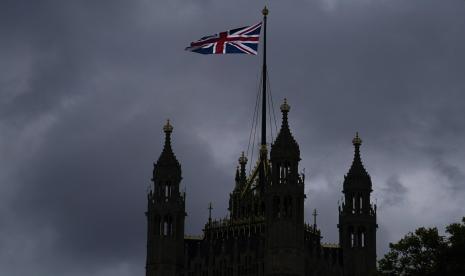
x=357, y=219
x=165, y=214
x=284, y=209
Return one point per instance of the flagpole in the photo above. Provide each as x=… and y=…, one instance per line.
x=263, y=151
x=265, y=13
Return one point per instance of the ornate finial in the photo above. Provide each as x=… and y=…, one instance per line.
x=168, y=128
x=242, y=159
x=265, y=11
x=357, y=141
x=285, y=107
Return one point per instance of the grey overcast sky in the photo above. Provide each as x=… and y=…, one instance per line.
x=85, y=87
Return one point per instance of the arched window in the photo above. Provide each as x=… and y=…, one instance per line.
x=287, y=171
x=353, y=204
x=281, y=173
x=352, y=237
x=362, y=237
x=167, y=190
x=167, y=226
x=361, y=204
x=284, y=170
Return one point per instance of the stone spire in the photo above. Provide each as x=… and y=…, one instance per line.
x=357, y=175
x=167, y=157
x=357, y=165
x=285, y=145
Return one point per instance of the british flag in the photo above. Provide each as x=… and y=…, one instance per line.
x=237, y=41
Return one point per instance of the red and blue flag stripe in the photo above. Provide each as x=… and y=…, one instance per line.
x=237, y=41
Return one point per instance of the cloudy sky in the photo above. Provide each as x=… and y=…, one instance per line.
x=86, y=86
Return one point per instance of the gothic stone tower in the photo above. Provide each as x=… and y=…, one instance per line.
x=357, y=220
x=284, y=254
x=165, y=215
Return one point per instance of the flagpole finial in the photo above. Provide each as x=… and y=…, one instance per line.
x=265, y=11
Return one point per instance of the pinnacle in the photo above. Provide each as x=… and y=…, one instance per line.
x=285, y=107
x=285, y=142
x=168, y=128
x=167, y=156
x=357, y=165
x=242, y=159
x=357, y=141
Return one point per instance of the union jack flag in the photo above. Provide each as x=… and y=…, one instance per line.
x=237, y=41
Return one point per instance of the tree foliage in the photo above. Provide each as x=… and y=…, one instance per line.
x=425, y=252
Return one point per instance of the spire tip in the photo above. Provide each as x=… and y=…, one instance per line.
x=242, y=159
x=356, y=141
x=168, y=128
x=285, y=107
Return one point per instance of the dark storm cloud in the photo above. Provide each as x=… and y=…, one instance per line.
x=394, y=191
x=86, y=190
x=86, y=87
x=454, y=174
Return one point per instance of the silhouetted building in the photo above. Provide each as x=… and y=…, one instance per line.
x=265, y=232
